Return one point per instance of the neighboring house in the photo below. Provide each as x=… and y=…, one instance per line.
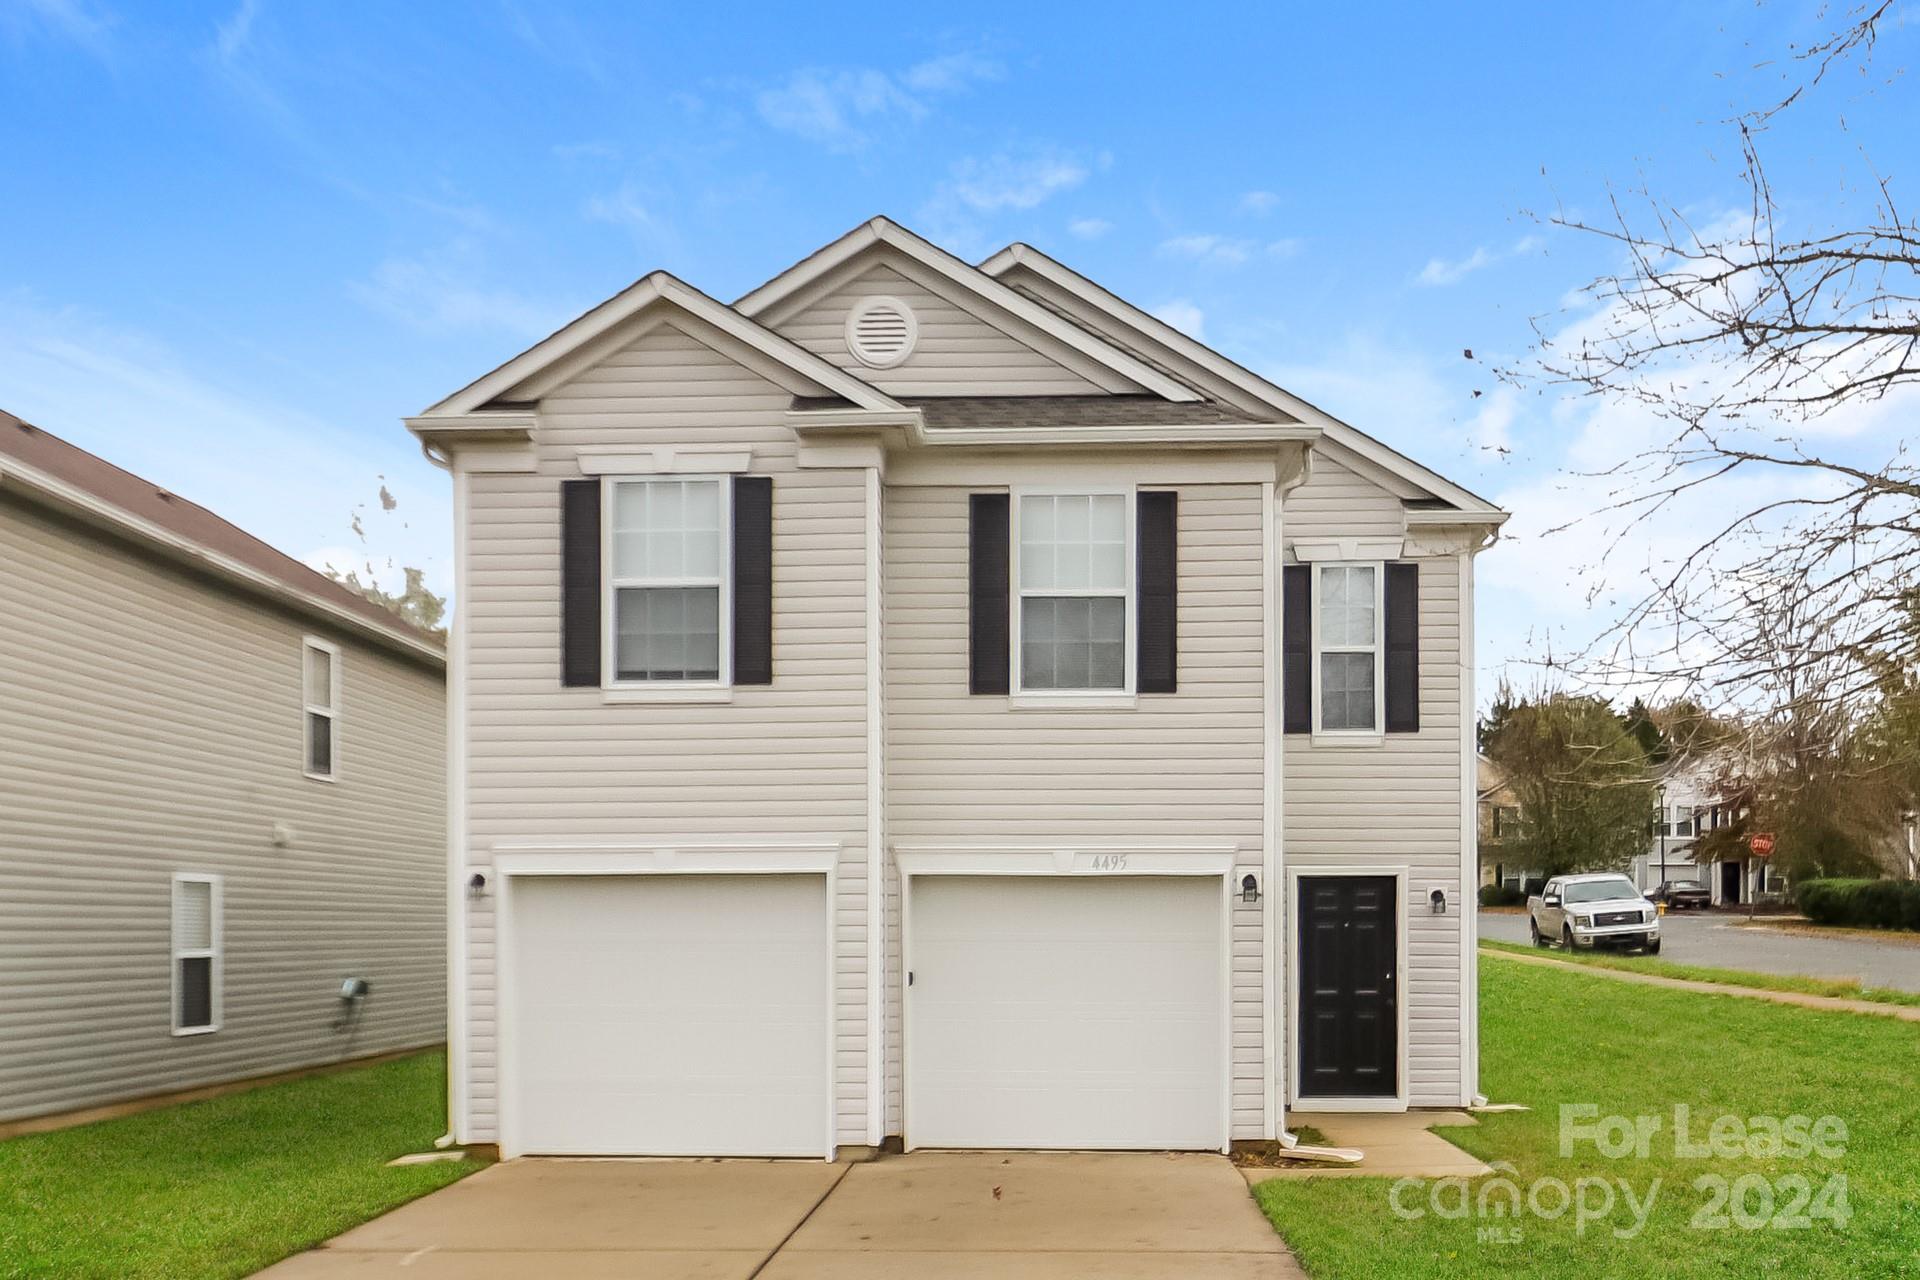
x=1497, y=818
x=1695, y=800
x=222, y=796
x=944, y=703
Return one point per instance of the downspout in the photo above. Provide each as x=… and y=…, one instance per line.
x=1278, y=1005
x=1470, y=903
x=441, y=459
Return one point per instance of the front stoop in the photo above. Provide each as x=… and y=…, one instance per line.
x=1397, y=1145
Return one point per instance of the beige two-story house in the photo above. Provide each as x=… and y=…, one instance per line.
x=222, y=801
x=940, y=702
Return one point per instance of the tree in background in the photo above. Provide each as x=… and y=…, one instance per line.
x=413, y=602
x=1581, y=780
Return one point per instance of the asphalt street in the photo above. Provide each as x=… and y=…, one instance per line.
x=1721, y=940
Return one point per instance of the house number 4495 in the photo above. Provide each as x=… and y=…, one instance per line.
x=1109, y=862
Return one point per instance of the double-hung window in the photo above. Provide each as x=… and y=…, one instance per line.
x=1347, y=616
x=196, y=953
x=1074, y=597
x=668, y=551
x=320, y=684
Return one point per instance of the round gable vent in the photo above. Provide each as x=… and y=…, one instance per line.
x=881, y=332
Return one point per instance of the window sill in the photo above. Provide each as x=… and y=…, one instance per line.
x=1072, y=702
x=1345, y=741
x=195, y=1031
x=320, y=777
x=676, y=694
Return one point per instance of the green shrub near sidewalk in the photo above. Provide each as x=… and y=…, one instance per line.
x=1877, y=904
x=1502, y=895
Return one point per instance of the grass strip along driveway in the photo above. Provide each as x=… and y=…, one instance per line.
x=1654, y=966
x=221, y=1187
x=1849, y=1208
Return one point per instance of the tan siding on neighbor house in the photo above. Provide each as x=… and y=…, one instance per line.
x=1397, y=804
x=547, y=763
x=958, y=352
x=151, y=722
x=1183, y=767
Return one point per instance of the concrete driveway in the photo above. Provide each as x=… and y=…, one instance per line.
x=932, y=1216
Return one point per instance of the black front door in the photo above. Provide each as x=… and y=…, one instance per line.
x=1349, y=1020
x=1730, y=882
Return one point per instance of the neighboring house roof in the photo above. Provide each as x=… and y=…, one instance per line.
x=1052, y=411
x=53, y=472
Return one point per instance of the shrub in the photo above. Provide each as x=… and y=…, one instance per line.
x=1502, y=895
x=1878, y=904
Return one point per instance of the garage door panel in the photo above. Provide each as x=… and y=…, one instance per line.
x=1067, y=1012
x=669, y=1015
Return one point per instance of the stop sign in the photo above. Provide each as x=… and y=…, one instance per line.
x=1761, y=842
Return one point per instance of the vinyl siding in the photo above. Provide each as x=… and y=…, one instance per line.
x=1397, y=804
x=151, y=722
x=957, y=353
x=785, y=761
x=1185, y=766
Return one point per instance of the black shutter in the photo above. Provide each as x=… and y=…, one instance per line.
x=987, y=590
x=752, y=580
x=1403, y=648
x=1296, y=648
x=1156, y=528
x=580, y=582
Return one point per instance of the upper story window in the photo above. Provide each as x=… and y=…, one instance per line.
x=196, y=953
x=1347, y=617
x=1073, y=591
x=667, y=584
x=320, y=683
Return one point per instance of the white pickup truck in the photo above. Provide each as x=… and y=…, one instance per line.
x=1598, y=910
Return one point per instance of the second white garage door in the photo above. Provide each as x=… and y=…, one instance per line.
x=1066, y=1012
x=667, y=1015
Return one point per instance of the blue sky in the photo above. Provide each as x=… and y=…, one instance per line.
x=240, y=241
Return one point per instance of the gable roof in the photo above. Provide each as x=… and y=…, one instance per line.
x=657, y=287
x=1158, y=333
x=53, y=471
x=970, y=278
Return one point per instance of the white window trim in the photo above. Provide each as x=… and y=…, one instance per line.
x=617, y=690
x=331, y=710
x=1352, y=737
x=1122, y=698
x=216, y=977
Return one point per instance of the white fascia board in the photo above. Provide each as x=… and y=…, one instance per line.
x=1165, y=335
x=886, y=231
x=105, y=515
x=656, y=287
x=910, y=427
x=492, y=425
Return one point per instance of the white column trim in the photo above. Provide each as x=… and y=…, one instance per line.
x=876, y=897
x=1272, y=760
x=1469, y=850
x=459, y=1121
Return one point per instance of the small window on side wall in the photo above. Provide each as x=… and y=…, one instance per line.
x=320, y=696
x=196, y=953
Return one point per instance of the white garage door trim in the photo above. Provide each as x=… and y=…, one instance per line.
x=1093, y=861
x=702, y=858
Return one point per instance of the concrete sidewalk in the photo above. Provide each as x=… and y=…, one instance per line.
x=930, y=1215
x=1398, y=1144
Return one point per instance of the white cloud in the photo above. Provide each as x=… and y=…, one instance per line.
x=623, y=208
x=1089, y=228
x=1441, y=271
x=231, y=38
x=82, y=23
x=1259, y=203
x=281, y=472
x=1228, y=251
x=1184, y=316
x=438, y=292
x=1492, y=428
x=839, y=107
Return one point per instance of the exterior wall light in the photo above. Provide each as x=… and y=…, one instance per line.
x=1437, y=900
x=477, y=885
x=1249, y=889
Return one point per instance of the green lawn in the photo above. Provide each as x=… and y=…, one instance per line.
x=223, y=1187
x=1552, y=1037
x=1843, y=988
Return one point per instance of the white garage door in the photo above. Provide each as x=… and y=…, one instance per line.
x=667, y=1015
x=1066, y=1012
